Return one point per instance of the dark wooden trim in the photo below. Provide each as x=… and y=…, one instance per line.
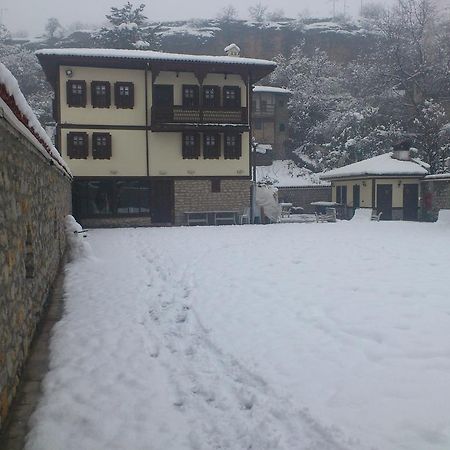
x=147, y=157
x=51, y=62
x=71, y=126
x=373, y=193
x=222, y=177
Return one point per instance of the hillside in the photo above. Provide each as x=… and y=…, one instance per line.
x=343, y=42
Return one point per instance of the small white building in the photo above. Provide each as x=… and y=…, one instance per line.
x=388, y=183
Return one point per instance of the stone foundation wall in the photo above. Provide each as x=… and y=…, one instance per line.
x=34, y=200
x=435, y=196
x=196, y=195
x=303, y=196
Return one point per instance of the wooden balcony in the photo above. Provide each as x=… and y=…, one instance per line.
x=174, y=118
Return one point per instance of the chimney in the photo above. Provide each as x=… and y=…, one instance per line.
x=401, y=151
x=232, y=50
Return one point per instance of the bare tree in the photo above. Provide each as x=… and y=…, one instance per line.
x=227, y=14
x=258, y=12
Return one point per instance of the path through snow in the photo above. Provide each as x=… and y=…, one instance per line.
x=251, y=338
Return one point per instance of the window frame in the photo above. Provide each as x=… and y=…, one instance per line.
x=235, y=151
x=124, y=101
x=76, y=151
x=341, y=194
x=76, y=100
x=101, y=100
x=102, y=151
x=211, y=151
x=187, y=101
x=232, y=102
x=216, y=98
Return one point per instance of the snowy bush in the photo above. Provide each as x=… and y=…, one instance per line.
x=76, y=243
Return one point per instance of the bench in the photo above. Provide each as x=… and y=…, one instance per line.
x=210, y=217
x=196, y=218
x=328, y=216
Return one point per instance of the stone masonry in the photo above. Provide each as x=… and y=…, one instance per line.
x=196, y=195
x=34, y=199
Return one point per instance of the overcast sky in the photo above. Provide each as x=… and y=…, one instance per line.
x=31, y=15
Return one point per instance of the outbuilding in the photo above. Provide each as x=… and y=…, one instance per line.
x=387, y=183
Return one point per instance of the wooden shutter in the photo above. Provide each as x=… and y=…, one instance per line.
x=101, y=151
x=216, y=96
x=76, y=100
x=209, y=151
x=101, y=101
x=233, y=152
x=122, y=101
x=77, y=151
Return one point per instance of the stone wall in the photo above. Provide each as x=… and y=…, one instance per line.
x=435, y=196
x=303, y=196
x=196, y=195
x=34, y=199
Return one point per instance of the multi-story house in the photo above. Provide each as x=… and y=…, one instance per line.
x=270, y=118
x=151, y=136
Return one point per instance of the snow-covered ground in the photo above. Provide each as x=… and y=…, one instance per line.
x=287, y=336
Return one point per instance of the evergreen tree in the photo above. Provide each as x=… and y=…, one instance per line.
x=129, y=29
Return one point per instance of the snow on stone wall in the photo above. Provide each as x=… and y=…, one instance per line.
x=20, y=115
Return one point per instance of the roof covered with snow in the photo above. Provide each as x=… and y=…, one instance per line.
x=381, y=165
x=271, y=89
x=285, y=173
x=138, y=59
x=150, y=55
x=19, y=114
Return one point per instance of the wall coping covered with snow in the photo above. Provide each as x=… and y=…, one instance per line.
x=15, y=109
x=381, y=165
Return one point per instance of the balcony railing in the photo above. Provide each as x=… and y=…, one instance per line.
x=162, y=115
x=267, y=111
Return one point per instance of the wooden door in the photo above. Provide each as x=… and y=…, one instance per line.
x=356, y=196
x=162, y=201
x=384, y=201
x=163, y=95
x=410, y=201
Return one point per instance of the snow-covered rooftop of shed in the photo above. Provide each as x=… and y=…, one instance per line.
x=33, y=130
x=150, y=55
x=271, y=89
x=381, y=165
x=285, y=173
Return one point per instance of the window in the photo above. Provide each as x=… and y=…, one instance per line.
x=258, y=124
x=76, y=93
x=280, y=102
x=263, y=105
x=281, y=127
x=109, y=198
x=101, y=145
x=100, y=94
x=211, y=146
x=124, y=95
x=211, y=96
x=232, y=146
x=190, y=96
x=191, y=146
x=77, y=145
x=232, y=96
x=215, y=185
x=341, y=195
